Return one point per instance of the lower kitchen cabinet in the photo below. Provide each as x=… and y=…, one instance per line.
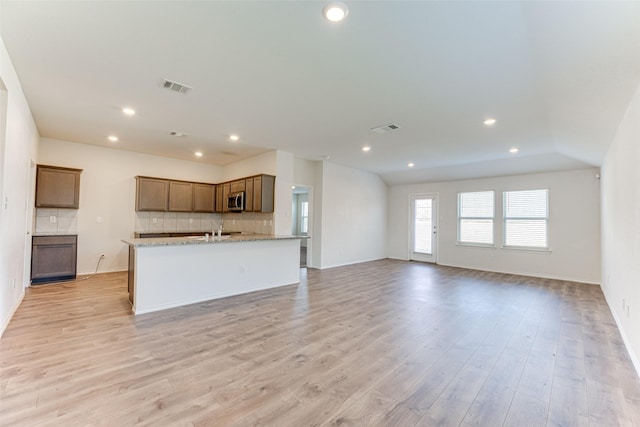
x=53, y=258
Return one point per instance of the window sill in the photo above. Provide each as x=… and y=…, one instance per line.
x=476, y=245
x=526, y=249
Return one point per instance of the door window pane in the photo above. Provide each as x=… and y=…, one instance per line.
x=423, y=224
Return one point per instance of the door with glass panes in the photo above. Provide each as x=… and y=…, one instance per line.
x=424, y=227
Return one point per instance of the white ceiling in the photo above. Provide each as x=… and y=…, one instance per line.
x=558, y=77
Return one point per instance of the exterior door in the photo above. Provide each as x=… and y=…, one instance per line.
x=424, y=227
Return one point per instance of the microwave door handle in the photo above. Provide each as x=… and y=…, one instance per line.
x=237, y=200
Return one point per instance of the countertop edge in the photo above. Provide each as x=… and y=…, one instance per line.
x=180, y=241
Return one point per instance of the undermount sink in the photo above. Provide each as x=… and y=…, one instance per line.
x=223, y=237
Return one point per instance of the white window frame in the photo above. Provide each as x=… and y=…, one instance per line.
x=506, y=218
x=492, y=218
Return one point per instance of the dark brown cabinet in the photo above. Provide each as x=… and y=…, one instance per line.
x=53, y=258
x=219, y=199
x=226, y=189
x=263, y=193
x=204, y=197
x=57, y=187
x=237, y=186
x=248, y=198
x=152, y=194
x=180, y=196
x=157, y=194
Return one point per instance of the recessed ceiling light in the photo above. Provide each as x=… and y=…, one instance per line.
x=293, y=187
x=234, y=137
x=335, y=11
x=113, y=138
x=128, y=111
x=489, y=122
x=198, y=153
x=410, y=165
x=514, y=150
x=366, y=148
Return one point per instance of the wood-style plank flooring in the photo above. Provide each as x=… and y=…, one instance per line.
x=384, y=343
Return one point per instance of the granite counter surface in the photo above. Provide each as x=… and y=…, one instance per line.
x=201, y=240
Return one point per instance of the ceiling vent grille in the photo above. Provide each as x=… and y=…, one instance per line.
x=385, y=128
x=176, y=133
x=176, y=87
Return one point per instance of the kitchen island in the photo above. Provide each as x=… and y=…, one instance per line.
x=176, y=271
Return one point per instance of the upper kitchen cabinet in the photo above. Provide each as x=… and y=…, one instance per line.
x=219, y=198
x=57, y=187
x=204, y=197
x=226, y=189
x=180, y=196
x=248, y=199
x=152, y=194
x=237, y=186
x=263, y=193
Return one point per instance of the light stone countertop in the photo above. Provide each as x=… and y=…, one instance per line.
x=200, y=240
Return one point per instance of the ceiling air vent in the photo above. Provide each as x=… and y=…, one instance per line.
x=176, y=87
x=176, y=133
x=385, y=128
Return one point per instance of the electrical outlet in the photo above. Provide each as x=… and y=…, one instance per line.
x=265, y=222
x=154, y=220
x=190, y=220
x=52, y=219
x=99, y=219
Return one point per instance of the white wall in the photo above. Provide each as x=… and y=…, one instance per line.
x=353, y=216
x=574, y=234
x=621, y=228
x=19, y=150
x=107, y=190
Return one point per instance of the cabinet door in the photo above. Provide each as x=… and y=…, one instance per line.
x=237, y=186
x=226, y=189
x=57, y=187
x=257, y=194
x=180, y=196
x=268, y=192
x=248, y=198
x=219, y=199
x=152, y=194
x=53, y=258
x=263, y=193
x=204, y=197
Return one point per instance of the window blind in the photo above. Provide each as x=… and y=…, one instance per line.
x=526, y=216
x=475, y=217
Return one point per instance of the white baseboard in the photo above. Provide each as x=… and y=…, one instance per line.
x=6, y=321
x=627, y=344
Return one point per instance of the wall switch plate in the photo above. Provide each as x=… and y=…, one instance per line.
x=52, y=219
x=99, y=219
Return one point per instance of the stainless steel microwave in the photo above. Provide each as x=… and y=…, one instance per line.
x=235, y=202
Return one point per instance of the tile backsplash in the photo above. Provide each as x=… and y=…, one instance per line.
x=56, y=221
x=167, y=222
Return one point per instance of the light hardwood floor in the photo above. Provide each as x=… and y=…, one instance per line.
x=385, y=343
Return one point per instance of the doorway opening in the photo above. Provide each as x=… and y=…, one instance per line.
x=301, y=220
x=424, y=227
